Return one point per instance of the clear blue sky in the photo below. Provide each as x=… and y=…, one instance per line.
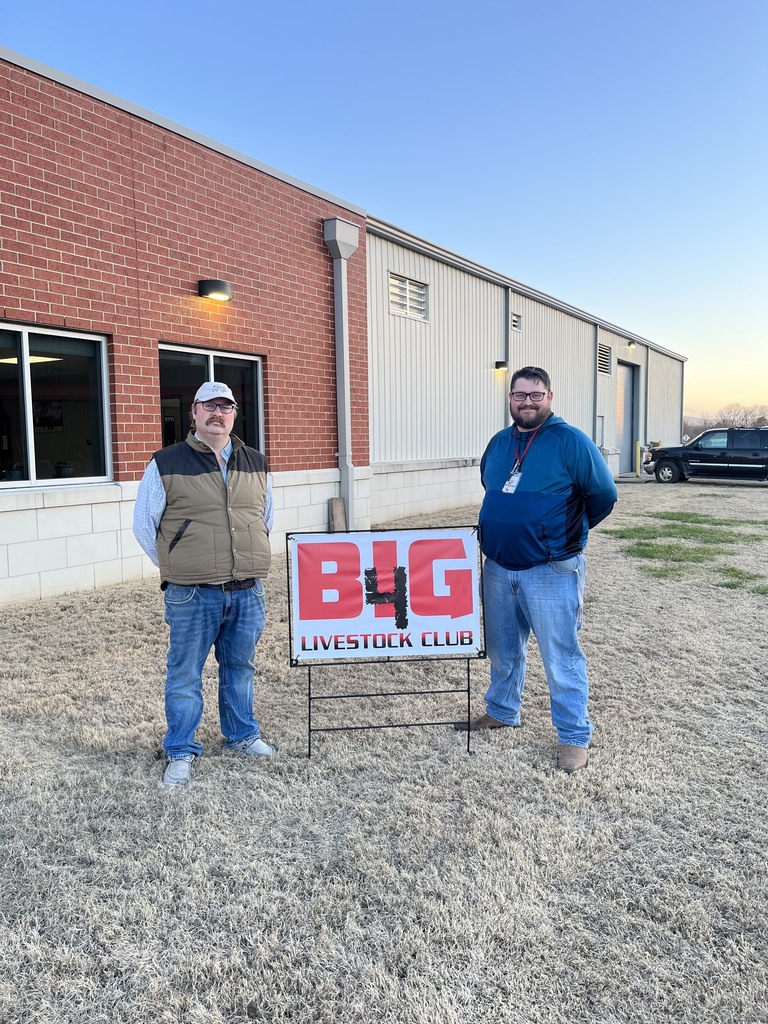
x=609, y=152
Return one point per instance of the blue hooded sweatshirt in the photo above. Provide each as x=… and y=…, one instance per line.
x=565, y=488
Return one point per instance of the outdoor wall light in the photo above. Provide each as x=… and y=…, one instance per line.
x=502, y=364
x=221, y=291
x=632, y=344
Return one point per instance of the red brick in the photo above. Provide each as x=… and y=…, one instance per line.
x=108, y=222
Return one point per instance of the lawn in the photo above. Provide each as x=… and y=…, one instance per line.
x=393, y=877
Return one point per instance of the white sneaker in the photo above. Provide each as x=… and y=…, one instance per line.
x=178, y=772
x=255, y=748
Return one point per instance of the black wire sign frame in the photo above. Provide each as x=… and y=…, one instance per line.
x=384, y=596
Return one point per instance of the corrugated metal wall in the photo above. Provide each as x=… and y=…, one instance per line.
x=434, y=392
x=665, y=391
x=565, y=348
x=607, y=383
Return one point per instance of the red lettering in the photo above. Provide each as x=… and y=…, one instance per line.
x=329, y=581
x=422, y=557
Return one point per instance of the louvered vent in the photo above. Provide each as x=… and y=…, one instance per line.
x=408, y=298
x=604, y=359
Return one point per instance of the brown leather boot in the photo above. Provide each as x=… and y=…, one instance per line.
x=478, y=724
x=571, y=759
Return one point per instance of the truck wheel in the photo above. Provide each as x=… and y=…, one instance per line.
x=668, y=472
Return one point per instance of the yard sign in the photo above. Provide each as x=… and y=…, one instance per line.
x=385, y=594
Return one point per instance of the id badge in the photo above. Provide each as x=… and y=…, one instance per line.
x=511, y=485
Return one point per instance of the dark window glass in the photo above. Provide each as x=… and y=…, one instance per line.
x=14, y=464
x=242, y=377
x=747, y=439
x=52, y=407
x=182, y=373
x=67, y=407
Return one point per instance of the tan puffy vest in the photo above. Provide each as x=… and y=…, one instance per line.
x=211, y=530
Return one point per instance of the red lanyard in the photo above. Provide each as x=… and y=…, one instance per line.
x=519, y=458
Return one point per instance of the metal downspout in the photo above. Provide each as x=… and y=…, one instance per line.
x=342, y=238
x=595, y=381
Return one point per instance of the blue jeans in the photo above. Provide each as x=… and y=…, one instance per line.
x=547, y=599
x=199, y=617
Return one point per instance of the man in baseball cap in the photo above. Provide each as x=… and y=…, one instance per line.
x=203, y=515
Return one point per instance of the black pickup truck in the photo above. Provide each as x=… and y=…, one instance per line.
x=735, y=453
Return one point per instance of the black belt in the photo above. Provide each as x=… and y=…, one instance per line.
x=229, y=585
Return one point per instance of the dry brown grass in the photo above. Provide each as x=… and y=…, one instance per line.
x=393, y=878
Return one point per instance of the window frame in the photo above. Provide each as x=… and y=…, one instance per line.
x=210, y=356
x=28, y=426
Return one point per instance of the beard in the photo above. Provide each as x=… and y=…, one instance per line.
x=530, y=417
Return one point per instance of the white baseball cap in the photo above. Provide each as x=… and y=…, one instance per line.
x=215, y=389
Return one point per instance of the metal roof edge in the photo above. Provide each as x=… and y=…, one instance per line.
x=392, y=233
x=62, y=78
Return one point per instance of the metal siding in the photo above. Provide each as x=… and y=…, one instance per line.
x=665, y=396
x=606, y=406
x=434, y=392
x=607, y=386
x=564, y=347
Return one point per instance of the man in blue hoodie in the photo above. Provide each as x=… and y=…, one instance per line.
x=546, y=485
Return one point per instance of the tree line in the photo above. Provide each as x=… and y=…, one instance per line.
x=733, y=415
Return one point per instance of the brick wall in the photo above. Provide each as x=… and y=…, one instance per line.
x=107, y=222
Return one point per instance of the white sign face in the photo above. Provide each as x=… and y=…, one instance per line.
x=385, y=594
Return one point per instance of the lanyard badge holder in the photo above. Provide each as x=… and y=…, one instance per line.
x=517, y=472
x=514, y=479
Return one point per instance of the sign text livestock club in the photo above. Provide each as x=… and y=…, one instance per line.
x=386, y=594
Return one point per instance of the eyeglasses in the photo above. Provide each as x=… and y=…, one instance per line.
x=225, y=407
x=535, y=396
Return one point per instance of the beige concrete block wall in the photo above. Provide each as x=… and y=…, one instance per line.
x=57, y=540
x=401, y=489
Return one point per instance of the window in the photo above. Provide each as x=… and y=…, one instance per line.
x=53, y=406
x=604, y=359
x=183, y=370
x=717, y=439
x=747, y=439
x=408, y=298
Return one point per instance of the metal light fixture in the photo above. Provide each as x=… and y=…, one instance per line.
x=502, y=364
x=221, y=291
